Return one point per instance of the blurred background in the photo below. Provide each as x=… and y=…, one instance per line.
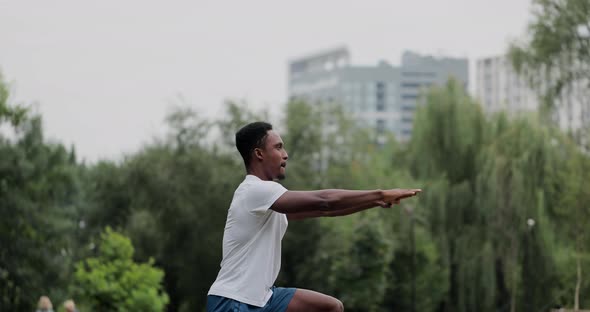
x=117, y=157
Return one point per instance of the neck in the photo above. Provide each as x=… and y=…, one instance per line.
x=257, y=171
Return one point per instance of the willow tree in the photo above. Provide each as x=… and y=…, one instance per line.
x=555, y=55
x=573, y=212
x=449, y=134
x=517, y=186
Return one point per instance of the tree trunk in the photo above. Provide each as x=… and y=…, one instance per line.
x=503, y=294
x=578, y=284
x=514, y=296
x=454, y=285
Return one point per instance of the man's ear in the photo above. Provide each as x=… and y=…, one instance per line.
x=258, y=153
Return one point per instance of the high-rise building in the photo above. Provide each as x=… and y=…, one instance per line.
x=499, y=88
x=382, y=97
x=418, y=73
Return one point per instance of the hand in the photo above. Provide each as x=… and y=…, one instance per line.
x=395, y=195
x=383, y=204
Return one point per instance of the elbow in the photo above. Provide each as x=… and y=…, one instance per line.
x=324, y=204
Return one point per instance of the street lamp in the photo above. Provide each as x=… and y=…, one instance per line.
x=583, y=31
x=530, y=222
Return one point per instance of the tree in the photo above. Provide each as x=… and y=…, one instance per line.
x=449, y=133
x=327, y=150
x=487, y=179
x=515, y=192
x=39, y=193
x=15, y=114
x=112, y=281
x=573, y=211
x=555, y=55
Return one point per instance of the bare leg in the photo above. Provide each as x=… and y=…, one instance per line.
x=311, y=301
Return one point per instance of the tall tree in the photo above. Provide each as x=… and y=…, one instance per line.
x=449, y=133
x=555, y=54
x=573, y=211
x=515, y=190
x=38, y=196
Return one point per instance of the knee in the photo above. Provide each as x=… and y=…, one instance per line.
x=337, y=306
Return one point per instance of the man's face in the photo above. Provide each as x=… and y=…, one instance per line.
x=275, y=156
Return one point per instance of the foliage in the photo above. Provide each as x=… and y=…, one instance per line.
x=555, y=56
x=467, y=243
x=39, y=192
x=112, y=281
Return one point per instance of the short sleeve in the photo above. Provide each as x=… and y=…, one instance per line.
x=262, y=195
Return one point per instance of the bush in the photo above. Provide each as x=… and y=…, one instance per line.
x=114, y=282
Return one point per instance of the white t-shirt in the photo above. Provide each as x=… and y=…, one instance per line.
x=251, y=243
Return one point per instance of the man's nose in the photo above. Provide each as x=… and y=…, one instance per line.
x=286, y=156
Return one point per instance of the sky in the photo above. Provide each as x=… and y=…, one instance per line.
x=103, y=74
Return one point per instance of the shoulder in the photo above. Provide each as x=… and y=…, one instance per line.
x=256, y=188
x=259, y=193
x=254, y=184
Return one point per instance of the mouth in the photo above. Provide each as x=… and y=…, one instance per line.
x=284, y=165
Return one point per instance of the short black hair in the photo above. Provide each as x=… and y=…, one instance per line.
x=251, y=136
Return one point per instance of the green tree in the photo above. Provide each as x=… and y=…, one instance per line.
x=516, y=189
x=112, y=281
x=449, y=133
x=328, y=150
x=573, y=212
x=555, y=57
x=15, y=114
x=39, y=193
x=555, y=54
x=172, y=198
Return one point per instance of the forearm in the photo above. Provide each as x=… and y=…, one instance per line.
x=350, y=210
x=331, y=201
x=336, y=213
x=344, y=202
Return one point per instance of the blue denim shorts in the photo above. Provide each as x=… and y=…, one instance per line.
x=278, y=302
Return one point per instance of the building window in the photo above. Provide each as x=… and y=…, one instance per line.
x=409, y=96
x=380, y=106
x=418, y=74
x=407, y=119
x=380, y=126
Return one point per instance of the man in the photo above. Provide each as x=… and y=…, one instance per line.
x=257, y=220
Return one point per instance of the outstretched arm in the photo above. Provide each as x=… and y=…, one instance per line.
x=337, y=213
x=307, y=204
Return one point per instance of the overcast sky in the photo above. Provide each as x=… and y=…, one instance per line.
x=104, y=73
